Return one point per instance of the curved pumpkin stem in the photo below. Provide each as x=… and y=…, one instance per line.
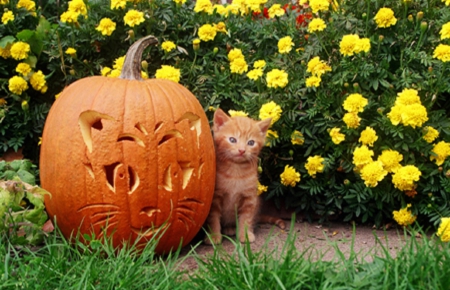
x=131, y=69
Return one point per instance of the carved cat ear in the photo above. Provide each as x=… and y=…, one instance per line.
x=220, y=118
x=264, y=125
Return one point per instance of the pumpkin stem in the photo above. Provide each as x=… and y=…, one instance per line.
x=131, y=69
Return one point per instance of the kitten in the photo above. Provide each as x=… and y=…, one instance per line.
x=238, y=141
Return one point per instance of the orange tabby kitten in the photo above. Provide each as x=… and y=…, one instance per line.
x=238, y=141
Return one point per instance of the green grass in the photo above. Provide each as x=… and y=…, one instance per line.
x=423, y=263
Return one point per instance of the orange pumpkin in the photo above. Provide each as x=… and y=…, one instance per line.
x=128, y=157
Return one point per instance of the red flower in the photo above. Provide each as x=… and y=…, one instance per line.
x=266, y=13
x=302, y=19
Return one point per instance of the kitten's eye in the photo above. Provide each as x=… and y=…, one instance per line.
x=232, y=140
x=251, y=143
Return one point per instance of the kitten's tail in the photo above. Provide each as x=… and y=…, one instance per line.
x=267, y=219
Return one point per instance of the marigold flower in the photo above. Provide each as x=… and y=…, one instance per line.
x=38, y=82
x=270, y=110
x=336, y=136
x=297, y=138
x=391, y=160
x=169, y=73
x=430, y=134
x=221, y=27
x=78, y=6
x=115, y=73
x=319, y=5
x=368, y=136
x=289, y=177
x=313, y=82
x=351, y=120
x=259, y=64
x=133, y=18
x=363, y=45
x=239, y=66
x=355, y=103
x=220, y=9
x=179, y=2
x=234, y=113
x=17, y=85
x=270, y=136
x=29, y=5
x=385, y=18
x=276, y=10
x=404, y=177
x=118, y=62
x=106, y=26
x=395, y=115
x=207, y=32
x=414, y=115
x=445, y=31
x=316, y=24
x=447, y=2
x=255, y=74
x=118, y=4
x=442, y=52
x=71, y=51
x=317, y=67
x=106, y=71
x=407, y=97
x=261, y=188
x=314, y=165
x=277, y=78
x=442, y=151
x=4, y=2
x=203, y=6
x=285, y=44
x=69, y=17
x=23, y=68
x=404, y=216
x=372, y=173
x=7, y=16
x=168, y=46
x=6, y=52
x=444, y=229
x=348, y=44
x=19, y=50
x=362, y=155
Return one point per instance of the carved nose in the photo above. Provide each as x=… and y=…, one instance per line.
x=241, y=151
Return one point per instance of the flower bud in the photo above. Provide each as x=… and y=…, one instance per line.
x=25, y=105
x=356, y=86
x=2, y=114
x=215, y=50
x=291, y=152
x=423, y=26
x=440, y=168
x=419, y=15
x=222, y=68
x=364, y=15
x=196, y=44
x=130, y=33
x=144, y=64
x=346, y=85
x=380, y=38
x=447, y=174
x=72, y=72
x=380, y=110
x=429, y=205
x=347, y=182
x=2, y=102
x=260, y=170
x=430, y=69
x=410, y=18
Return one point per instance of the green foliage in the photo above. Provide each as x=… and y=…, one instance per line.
x=401, y=56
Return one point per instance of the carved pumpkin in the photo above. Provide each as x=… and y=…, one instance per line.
x=128, y=157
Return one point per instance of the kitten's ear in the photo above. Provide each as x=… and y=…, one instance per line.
x=264, y=125
x=220, y=118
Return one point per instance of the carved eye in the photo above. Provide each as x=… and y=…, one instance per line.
x=251, y=143
x=232, y=140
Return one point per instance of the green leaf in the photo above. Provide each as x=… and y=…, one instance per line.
x=7, y=40
x=25, y=35
x=26, y=176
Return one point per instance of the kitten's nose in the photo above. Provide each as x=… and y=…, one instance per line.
x=241, y=151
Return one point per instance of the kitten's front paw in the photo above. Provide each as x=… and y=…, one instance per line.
x=213, y=239
x=243, y=237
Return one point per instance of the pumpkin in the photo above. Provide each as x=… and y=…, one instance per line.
x=129, y=158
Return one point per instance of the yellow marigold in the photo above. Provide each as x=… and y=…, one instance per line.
x=447, y=2
x=442, y=52
x=372, y=173
x=414, y=115
x=270, y=110
x=270, y=136
x=169, y=73
x=285, y=44
x=404, y=216
x=405, y=176
x=430, y=134
x=255, y=74
x=196, y=44
x=106, y=26
x=168, y=46
x=234, y=54
x=259, y=64
x=277, y=78
x=118, y=4
x=19, y=50
x=314, y=165
x=391, y=160
x=316, y=24
x=319, y=5
x=106, y=71
x=368, y=136
x=29, y=5
x=6, y=51
x=7, y=16
x=351, y=120
x=71, y=51
x=203, y=6
x=385, y=18
x=336, y=136
x=239, y=66
x=261, y=188
x=442, y=151
x=355, y=103
x=17, y=85
x=348, y=44
x=362, y=155
x=275, y=10
x=297, y=138
x=444, y=229
x=78, y=6
x=395, y=115
x=220, y=27
x=23, y=68
x=407, y=97
x=118, y=62
x=254, y=5
x=179, y=2
x=37, y=81
x=317, y=67
x=69, y=17
x=220, y=9
x=313, y=82
x=234, y=113
x=4, y=2
x=207, y=32
x=445, y=31
x=133, y=18
x=363, y=45
x=289, y=177
x=115, y=73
